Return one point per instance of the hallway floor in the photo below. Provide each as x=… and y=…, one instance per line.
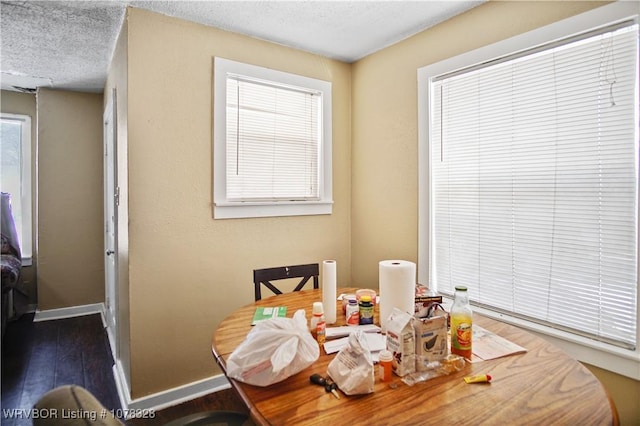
x=37, y=357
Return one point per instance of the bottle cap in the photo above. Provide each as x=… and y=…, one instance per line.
x=461, y=288
x=385, y=355
x=317, y=308
x=366, y=298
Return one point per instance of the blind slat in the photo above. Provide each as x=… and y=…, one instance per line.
x=273, y=141
x=534, y=180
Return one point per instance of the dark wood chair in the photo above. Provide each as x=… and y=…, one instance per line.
x=265, y=276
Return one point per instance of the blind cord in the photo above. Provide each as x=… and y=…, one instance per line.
x=608, y=62
x=554, y=212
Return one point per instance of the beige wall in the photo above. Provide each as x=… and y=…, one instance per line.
x=25, y=104
x=70, y=235
x=188, y=271
x=385, y=134
x=385, y=123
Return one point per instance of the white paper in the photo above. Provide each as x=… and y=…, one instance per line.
x=488, y=345
x=375, y=341
x=345, y=330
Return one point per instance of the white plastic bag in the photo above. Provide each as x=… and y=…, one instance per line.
x=352, y=369
x=274, y=350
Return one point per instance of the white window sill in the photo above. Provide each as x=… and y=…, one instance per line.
x=229, y=210
x=27, y=261
x=608, y=357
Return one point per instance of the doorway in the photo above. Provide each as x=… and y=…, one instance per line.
x=111, y=194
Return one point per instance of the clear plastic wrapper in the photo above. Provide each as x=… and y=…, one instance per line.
x=451, y=364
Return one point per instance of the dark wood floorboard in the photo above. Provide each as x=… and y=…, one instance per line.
x=37, y=357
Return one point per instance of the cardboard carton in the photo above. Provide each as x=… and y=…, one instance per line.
x=425, y=298
x=401, y=342
x=431, y=340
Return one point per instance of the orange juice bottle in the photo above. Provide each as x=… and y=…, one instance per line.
x=317, y=323
x=461, y=323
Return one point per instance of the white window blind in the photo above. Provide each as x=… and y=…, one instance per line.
x=273, y=141
x=534, y=181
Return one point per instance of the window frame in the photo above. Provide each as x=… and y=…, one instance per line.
x=26, y=233
x=223, y=208
x=619, y=360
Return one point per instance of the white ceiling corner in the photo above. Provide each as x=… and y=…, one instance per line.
x=69, y=44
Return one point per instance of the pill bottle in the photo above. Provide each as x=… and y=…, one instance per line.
x=366, y=292
x=345, y=301
x=366, y=310
x=317, y=323
x=353, y=312
x=385, y=359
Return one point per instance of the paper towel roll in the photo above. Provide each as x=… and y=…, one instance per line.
x=329, y=284
x=397, y=280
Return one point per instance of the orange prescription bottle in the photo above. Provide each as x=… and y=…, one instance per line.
x=385, y=359
x=461, y=323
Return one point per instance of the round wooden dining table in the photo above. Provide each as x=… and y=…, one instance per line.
x=543, y=386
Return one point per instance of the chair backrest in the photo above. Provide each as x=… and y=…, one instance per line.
x=265, y=276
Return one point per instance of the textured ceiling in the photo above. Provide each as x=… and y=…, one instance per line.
x=68, y=44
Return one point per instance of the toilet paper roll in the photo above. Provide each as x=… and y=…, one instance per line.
x=397, y=282
x=329, y=284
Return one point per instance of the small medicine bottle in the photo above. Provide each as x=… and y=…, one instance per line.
x=366, y=310
x=353, y=312
x=385, y=359
x=317, y=323
x=461, y=323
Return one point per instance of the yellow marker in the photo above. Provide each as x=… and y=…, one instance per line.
x=480, y=378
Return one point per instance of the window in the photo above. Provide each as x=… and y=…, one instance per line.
x=272, y=142
x=533, y=181
x=15, y=135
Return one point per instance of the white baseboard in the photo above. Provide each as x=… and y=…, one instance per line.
x=70, y=312
x=169, y=397
x=157, y=401
x=122, y=384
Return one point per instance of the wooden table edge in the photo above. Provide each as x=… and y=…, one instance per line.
x=253, y=411
x=614, y=410
x=259, y=419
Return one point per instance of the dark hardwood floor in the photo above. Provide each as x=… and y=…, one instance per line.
x=37, y=357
